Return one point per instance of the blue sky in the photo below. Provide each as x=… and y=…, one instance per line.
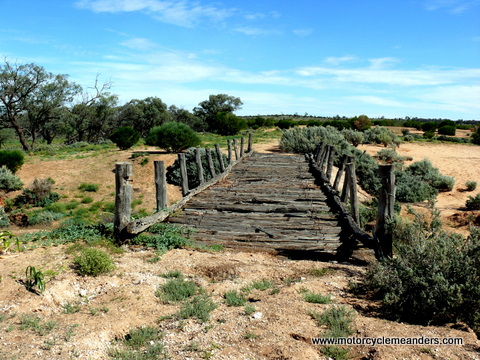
x=391, y=58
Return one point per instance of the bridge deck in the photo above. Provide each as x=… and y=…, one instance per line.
x=269, y=201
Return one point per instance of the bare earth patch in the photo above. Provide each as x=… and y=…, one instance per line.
x=108, y=306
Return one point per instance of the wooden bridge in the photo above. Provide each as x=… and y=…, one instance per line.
x=283, y=203
x=268, y=201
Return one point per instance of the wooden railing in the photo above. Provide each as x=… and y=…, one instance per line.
x=125, y=227
x=321, y=164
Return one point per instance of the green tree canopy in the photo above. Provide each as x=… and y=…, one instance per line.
x=221, y=103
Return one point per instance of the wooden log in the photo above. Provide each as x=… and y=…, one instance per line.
x=220, y=158
x=316, y=153
x=346, y=182
x=331, y=156
x=211, y=167
x=324, y=157
x=123, y=199
x=242, y=146
x=250, y=142
x=160, y=185
x=320, y=154
x=183, y=173
x=198, y=160
x=235, y=148
x=386, y=201
x=340, y=171
x=230, y=156
x=353, y=192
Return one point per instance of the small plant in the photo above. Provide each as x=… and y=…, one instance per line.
x=199, y=307
x=88, y=187
x=35, y=279
x=471, y=185
x=233, y=298
x=93, y=262
x=250, y=336
x=7, y=239
x=39, y=193
x=177, y=290
x=9, y=181
x=143, y=343
x=36, y=324
x=473, y=202
x=71, y=308
x=261, y=285
x=249, y=309
x=319, y=272
x=173, y=274
x=315, y=298
x=87, y=200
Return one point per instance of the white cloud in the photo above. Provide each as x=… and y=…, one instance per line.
x=139, y=44
x=452, y=6
x=332, y=60
x=178, y=12
x=376, y=100
x=303, y=32
x=254, y=31
x=381, y=63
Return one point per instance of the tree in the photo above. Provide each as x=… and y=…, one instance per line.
x=31, y=95
x=361, y=123
x=228, y=124
x=125, y=137
x=186, y=117
x=142, y=115
x=208, y=109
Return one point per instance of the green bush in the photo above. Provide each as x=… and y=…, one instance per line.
x=411, y=188
x=176, y=290
x=44, y=217
x=431, y=175
x=12, y=159
x=125, y=137
x=471, y=185
x=476, y=137
x=429, y=127
x=473, y=202
x=225, y=123
x=163, y=237
x=9, y=181
x=234, y=298
x=173, y=137
x=285, y=123
x=428, y=135
x=447, y=130
x=433, y=277
x=173, y=171
x=390, y=156
x=453, y=139
x=93, y=262
x=379, y=135
x=305, y=140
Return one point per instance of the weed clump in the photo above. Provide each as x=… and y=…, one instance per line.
x=473, y=202
x=9, y=181
x=93, y=262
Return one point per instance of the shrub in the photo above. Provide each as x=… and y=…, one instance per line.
x=476, y=137
x=173, y=137
x=4, y=219
x=447, y=130
x=233, y=298
x=93, y=262
x=163, y=237
x=429, y=127
x=305, y=140
x=88, y=187
x=354, y=137
x=173, y=171
x=471, y=185
x=409, y=138
x=428, y=134
x=9, y=181
x=199, y=307
x=226, y=123
x=44, y=217
x=473, y=202
x=433, y=277
x=390, y=156
x=379, y=135
x=12, y=159
x=285, y=123
x=176, y=290
x=431, y=175
x=316, y=298
x=125, y=137
x=39, y=193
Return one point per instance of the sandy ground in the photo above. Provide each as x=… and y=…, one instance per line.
x=281, y=327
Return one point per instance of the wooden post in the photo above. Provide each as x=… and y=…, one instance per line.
x=211, y=167
x=319, y=154
x=242, y=146
x=352, y=177
x=160, y=185
x=230, y=156
x=123, y=199
x=183, y=173
x=340, y=171
x=324, y=157
x=346, y=182
x=331, y=156
x=235, y=148
x=386, y=201
x=250, y=142
x=198, y=160
x=220, y=158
